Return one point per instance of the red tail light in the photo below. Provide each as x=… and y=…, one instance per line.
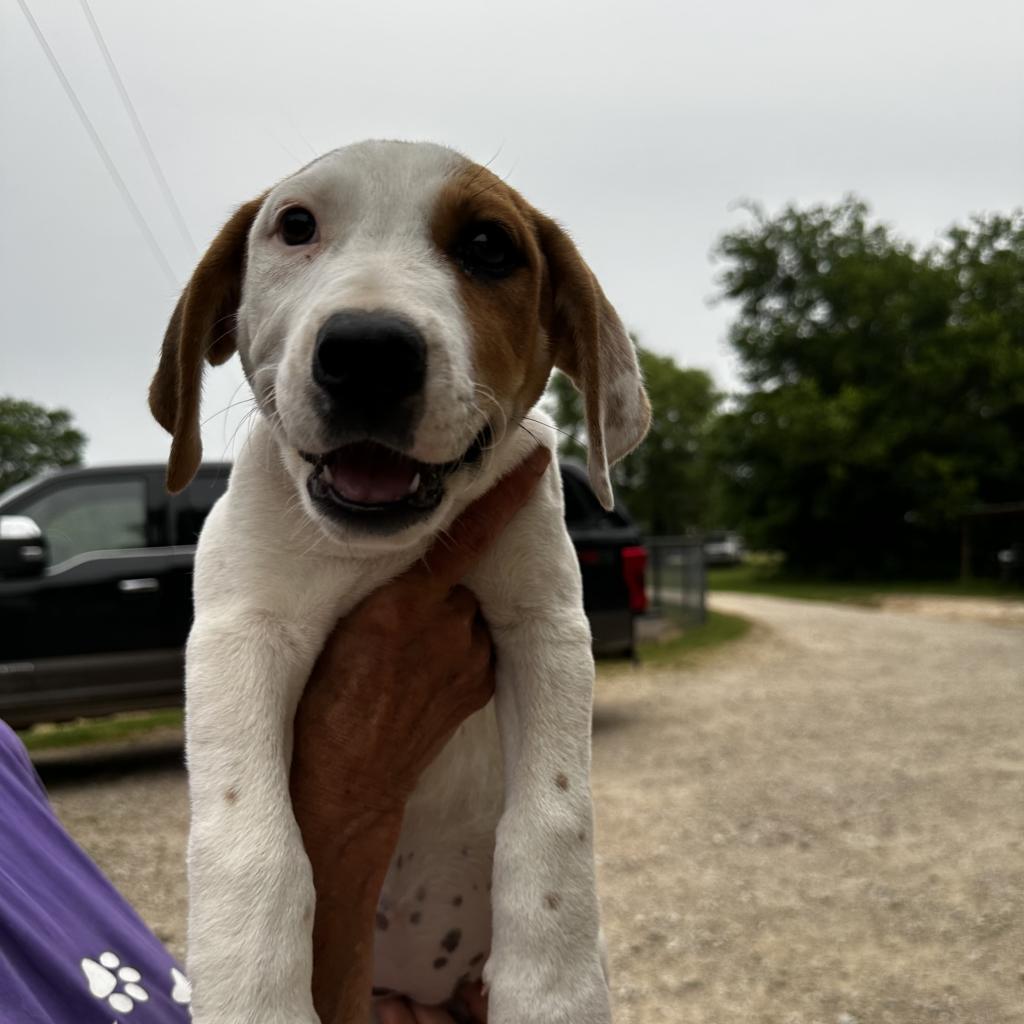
x=634, y=562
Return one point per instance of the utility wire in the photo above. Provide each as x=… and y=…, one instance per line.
x=108, y=162
x=140, y=132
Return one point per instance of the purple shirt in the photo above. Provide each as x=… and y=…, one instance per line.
x=72, y=951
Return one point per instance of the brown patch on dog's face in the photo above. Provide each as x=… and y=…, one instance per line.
x=506, y=314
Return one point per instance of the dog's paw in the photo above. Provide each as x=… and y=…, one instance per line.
x=540, y=993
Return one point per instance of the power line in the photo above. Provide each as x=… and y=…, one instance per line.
x=137, y=125
x=100, y=148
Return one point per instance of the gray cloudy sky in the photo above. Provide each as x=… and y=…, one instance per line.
x=636, y=123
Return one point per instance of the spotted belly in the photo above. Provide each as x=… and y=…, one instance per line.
x=433, y=927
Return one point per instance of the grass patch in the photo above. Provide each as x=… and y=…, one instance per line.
x=87, y=731
x=767, y=578
x=720, y=628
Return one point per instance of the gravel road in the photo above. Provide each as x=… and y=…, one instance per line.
x=822, y=823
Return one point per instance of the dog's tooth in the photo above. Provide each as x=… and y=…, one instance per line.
x=415, y=485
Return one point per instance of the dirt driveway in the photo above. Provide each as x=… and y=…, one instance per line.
x=820, y=824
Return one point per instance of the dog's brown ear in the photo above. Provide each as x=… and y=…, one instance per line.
x=592, y=346
x=202, y=326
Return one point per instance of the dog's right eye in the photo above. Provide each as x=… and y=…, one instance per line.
x=485, y=249
x=298, y=226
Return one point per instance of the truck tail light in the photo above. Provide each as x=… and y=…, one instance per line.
x=634, y=562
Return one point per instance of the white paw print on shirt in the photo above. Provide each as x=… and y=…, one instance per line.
x=182, y=991
x=103, y=982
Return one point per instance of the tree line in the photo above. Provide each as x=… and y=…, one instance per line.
x=883, y=395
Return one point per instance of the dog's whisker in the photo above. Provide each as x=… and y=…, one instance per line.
x=223, y=334
x=531, y=433
x=486, y=188
x=499, y=435
x=226, y=408
x=551, y=426
x=246, y=421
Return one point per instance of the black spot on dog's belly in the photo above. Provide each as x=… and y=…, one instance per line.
x=440, y=962
x=451, y=940
x=477, y=960
x=457, y=901
x=415, y=917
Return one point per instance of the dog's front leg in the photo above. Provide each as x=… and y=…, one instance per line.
x=251, y=897
x=545, y=965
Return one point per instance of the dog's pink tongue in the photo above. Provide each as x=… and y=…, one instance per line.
x=370, y=474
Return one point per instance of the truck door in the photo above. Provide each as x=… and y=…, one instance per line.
x=90, y=625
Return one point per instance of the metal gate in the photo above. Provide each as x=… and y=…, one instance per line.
x=678, y=580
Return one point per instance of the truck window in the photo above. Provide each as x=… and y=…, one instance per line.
x=95, y=515
x=578, y=503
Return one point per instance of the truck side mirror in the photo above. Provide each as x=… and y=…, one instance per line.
x=24, y=551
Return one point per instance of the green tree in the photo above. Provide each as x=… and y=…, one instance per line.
x=886, y=385
x=665, y=482
x=33, y=438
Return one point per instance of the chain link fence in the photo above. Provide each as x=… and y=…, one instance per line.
x=677, y=578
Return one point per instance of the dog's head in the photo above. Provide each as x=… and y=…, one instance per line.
x=397, y=310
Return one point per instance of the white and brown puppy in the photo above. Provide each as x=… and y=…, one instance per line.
x=398, y=310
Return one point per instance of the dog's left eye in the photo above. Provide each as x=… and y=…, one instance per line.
x=298, y=226
x=485, y=249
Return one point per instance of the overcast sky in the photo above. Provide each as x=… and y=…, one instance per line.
x=637, y=124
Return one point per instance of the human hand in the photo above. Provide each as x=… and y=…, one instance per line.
x=399, y=1011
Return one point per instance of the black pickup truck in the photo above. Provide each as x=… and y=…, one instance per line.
x=96, y=580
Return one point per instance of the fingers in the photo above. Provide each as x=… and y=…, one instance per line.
x=469, y=650
x=398, y=1011
x=466, y=630
x=452, y=556
x=430, y=1015
x=480, y=666
x=475, y=1001
x=463, y=602
x=481, y=644
x=394, y=1011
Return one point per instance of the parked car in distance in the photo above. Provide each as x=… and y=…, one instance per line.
x=1011, y=563
x=723, y=547
x=96, y=585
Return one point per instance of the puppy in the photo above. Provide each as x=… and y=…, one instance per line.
x=397, y=310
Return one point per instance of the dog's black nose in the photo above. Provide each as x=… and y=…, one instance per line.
x=369, y=358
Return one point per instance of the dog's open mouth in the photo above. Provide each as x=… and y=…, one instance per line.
x=368, y=476
x=368, y=479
